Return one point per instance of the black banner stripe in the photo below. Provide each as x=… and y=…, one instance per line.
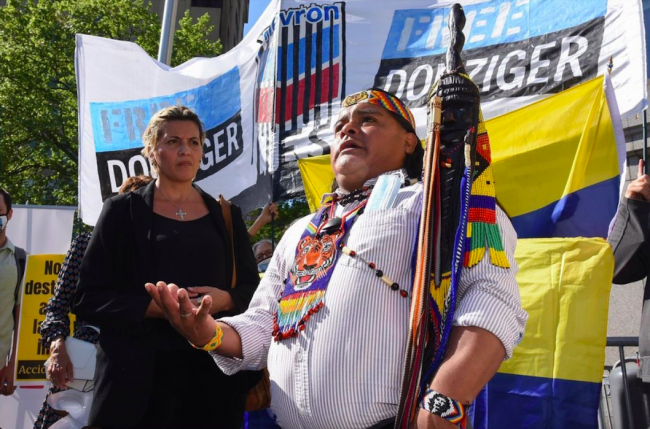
x=524, y=68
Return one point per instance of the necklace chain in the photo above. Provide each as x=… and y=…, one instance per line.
x=180, y=213
x=358, y=194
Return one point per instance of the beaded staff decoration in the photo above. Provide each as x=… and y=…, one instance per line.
x=458, y=220
x=483, y=231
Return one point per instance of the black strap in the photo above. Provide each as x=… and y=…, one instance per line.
x=226, y=210
x=384, y=424
x=21, y=260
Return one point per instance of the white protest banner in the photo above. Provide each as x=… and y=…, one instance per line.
x=273, y=98
x=41, y=229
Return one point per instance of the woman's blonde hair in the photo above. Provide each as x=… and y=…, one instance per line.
x=157, y=124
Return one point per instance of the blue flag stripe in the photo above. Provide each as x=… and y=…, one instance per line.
x=584, y=213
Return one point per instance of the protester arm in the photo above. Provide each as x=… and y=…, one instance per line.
x=57, y=320
x=255, y=326
x=255, y=228
x=488, y=295
x=104, y=295
x=7, y=381
x=461, y=375
x=629, y=241
x=269, y=212
x=488, y=322
x=14, y=341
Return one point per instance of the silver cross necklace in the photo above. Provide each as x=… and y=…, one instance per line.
x=180, y=213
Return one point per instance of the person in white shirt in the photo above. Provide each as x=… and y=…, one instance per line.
x=330, y=317
x=12, y=266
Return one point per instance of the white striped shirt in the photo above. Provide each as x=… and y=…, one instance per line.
x=345, y=369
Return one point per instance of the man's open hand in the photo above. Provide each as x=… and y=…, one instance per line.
x=195, y=324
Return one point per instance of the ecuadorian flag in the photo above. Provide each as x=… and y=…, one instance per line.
x=557, y=163
x=557, y=166
x=554, y=377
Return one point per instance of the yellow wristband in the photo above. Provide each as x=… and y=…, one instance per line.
x=214, y=342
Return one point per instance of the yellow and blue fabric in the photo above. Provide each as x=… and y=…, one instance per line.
x=556, y=163
x=554, y=377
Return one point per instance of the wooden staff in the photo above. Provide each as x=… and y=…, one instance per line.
x=424, y=340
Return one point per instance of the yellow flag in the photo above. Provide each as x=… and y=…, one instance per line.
x=317, y=177
x=564, y=285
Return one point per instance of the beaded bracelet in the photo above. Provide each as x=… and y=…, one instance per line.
x=214, y=342
x=449, y=409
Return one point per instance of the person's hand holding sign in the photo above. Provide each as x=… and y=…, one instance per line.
x=60, y=372
x=7, y=386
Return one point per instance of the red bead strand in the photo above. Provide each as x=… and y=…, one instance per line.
x=379, y=273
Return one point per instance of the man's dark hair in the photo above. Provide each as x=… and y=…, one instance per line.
x=414, y=162
x=7, y=197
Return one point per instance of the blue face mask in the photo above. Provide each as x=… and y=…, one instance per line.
x=3, y=222
x=263, y=265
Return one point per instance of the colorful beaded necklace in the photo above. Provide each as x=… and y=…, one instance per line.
x=316, y=255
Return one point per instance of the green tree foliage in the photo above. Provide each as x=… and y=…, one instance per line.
x=190, y=41
x=288, y=212
x=38, y=90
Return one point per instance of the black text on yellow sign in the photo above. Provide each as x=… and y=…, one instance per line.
x=38, y=287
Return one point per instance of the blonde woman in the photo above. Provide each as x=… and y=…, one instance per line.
x=147, y=374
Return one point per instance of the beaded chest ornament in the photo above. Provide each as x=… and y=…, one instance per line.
x=316, y=255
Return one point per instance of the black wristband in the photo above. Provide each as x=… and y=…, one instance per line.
x=443, y=406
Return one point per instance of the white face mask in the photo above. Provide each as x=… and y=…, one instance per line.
x=3, y=222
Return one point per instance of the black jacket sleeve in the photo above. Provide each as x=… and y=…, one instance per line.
x=247, y=275
x=105, y=294
x=629, y=239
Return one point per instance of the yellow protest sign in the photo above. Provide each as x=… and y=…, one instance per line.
x=38, y=287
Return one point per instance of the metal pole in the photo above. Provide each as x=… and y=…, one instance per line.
x=645, y=141
x=272, y=231
x=167, y=32
x=626, y=389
